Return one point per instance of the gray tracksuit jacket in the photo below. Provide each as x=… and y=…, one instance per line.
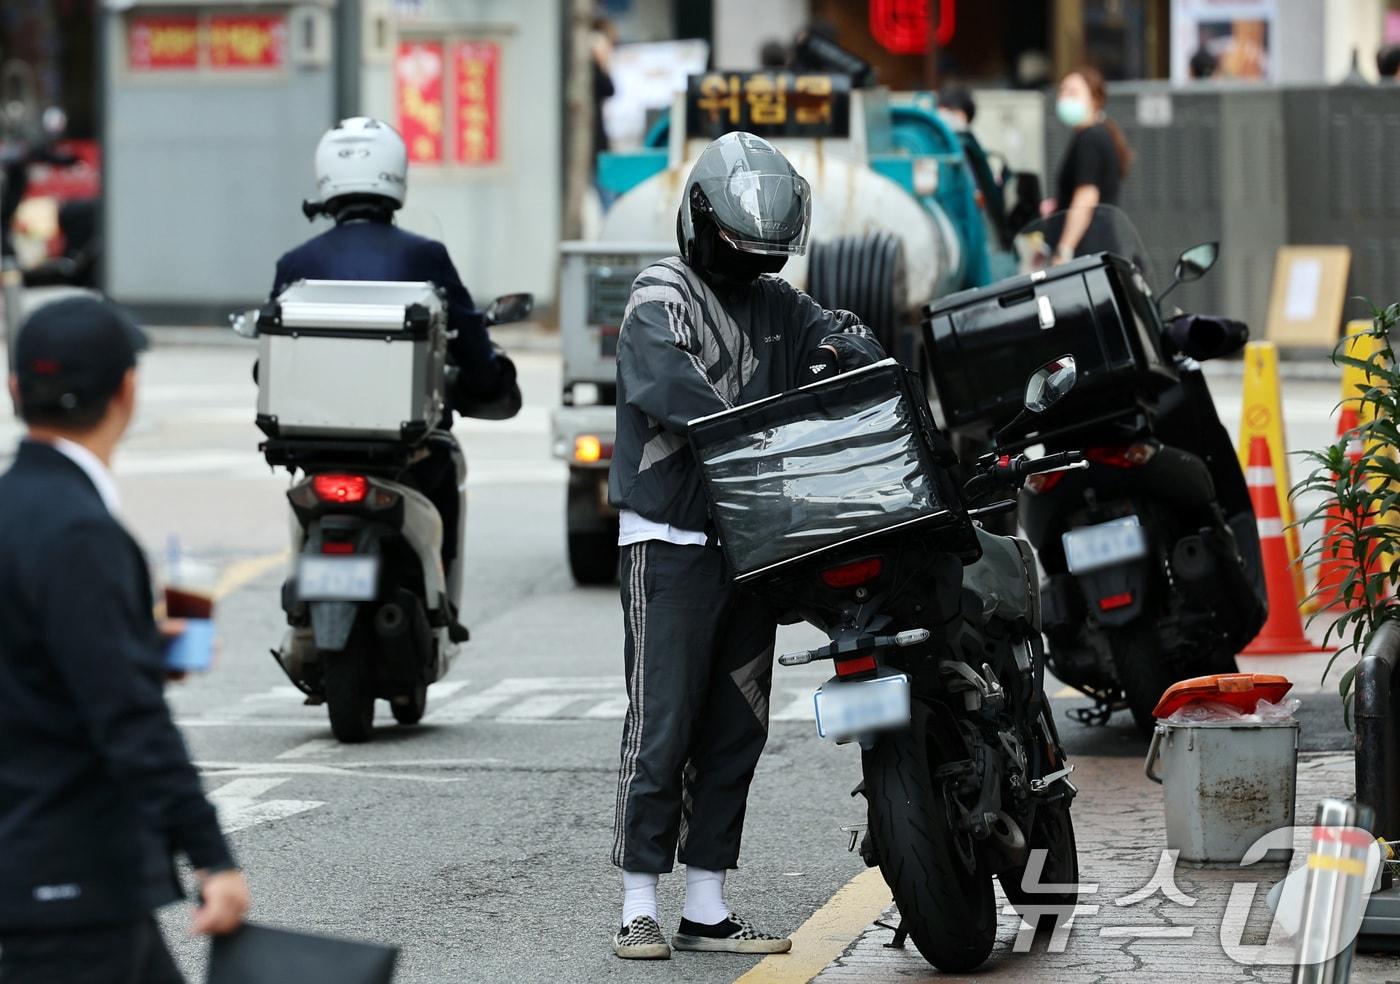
x=688, y=349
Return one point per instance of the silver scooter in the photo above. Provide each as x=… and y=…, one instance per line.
x=372, y=609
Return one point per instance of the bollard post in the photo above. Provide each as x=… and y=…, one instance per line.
x=1334, y=899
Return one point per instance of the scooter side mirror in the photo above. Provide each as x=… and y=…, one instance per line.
x=1051, y=383
x=510, y=307
x=1193, y=263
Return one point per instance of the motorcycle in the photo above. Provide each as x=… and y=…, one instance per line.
x=1151, y=552
x=836, y=505
x=372, y=610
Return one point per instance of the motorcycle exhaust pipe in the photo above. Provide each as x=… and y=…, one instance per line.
x=1005, y=844
x=394, y=629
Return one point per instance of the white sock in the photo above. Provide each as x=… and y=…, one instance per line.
x=638, y=895
x=704, y=896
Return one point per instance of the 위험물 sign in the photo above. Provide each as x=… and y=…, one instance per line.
x=770, y=104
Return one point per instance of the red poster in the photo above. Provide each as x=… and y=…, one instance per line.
x=418, y=79
x=475, y=67
x=247, y=41
x=154, y=43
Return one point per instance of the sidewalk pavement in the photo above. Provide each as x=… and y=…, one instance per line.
x=1120, y=830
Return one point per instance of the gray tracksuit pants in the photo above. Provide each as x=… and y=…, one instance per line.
x=699, y=660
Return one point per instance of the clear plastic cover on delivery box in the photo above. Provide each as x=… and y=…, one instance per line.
x=817, y=467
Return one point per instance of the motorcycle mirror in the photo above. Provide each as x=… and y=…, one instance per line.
x=1194, y=262
x=510, y=307
x=1191, y=265
x=1050, y=383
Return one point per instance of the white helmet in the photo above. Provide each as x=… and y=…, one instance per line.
x=362, y=156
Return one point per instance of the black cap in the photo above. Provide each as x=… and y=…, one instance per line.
x=71, y=354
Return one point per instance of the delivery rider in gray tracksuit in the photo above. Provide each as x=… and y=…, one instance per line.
x=704, y=331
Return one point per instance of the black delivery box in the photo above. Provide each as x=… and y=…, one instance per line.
x=856, y=456
x=983, y=344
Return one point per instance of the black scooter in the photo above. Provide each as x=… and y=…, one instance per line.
x=1151, y=551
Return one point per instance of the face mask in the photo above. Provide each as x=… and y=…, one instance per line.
x=1072, y=112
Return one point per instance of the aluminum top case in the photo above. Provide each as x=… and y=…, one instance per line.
x=983, y=344
x=355, y=360
x=797, y=475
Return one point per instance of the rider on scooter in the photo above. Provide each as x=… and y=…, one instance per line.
x=361, y=180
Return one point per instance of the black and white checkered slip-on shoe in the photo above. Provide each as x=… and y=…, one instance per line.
x=734, y=935
x=641, y=939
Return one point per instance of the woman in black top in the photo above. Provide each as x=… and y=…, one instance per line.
x=1094, y=165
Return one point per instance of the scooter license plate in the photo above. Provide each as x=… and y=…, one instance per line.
x=847, y=709
x=1093, y=547
x=338, y=578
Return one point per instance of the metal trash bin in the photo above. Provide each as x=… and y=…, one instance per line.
x=1227, y=782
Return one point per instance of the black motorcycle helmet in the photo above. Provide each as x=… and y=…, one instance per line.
x=744, y=210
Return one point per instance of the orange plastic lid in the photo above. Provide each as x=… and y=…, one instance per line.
x=1241, y=690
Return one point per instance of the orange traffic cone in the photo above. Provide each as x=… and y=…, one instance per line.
x=1332, y=568
x=1283, y=632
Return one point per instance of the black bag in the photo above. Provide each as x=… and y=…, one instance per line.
x=261, y=955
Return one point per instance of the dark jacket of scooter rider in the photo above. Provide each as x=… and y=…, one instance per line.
x=361, y=180
x=704, y=331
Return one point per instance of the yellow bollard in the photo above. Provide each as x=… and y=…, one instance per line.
x=1261, y=415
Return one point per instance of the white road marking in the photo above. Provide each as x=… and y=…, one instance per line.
x=395, y=770
x=315, y=748
x=240, y=808
x=525, y=695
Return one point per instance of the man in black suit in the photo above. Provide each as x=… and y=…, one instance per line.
x=97, y=792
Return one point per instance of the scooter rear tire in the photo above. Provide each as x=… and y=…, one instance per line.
x=948, y=910
x=1142, y=672
x=350, y=691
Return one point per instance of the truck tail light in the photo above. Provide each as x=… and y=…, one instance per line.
x=853, y=574
x=339, y=488
x=589, y=449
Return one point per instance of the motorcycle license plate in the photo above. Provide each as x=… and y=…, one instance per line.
x=338, y=578
x=846, y=709
x=1093, y=547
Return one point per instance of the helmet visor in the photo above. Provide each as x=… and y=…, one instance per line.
x=761, y=213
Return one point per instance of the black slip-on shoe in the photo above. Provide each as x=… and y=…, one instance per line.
x=641, y=939
x=733, y=935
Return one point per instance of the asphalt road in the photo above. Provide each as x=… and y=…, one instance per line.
x=478, y=841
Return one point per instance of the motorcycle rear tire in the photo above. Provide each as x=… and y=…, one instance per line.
x=1142, y=671
x=949, y=912
x=1052, y=831
x=350, y=691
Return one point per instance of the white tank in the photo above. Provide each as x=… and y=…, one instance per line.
x=848, y=199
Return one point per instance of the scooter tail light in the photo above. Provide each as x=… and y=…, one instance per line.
x=1129, y=456
x=338, y=488
x=1116, y=601
x=1043, y=482
x=853, y=574
x=337, y=547
x=855, y=666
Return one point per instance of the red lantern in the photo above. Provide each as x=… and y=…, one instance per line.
x=902, y=26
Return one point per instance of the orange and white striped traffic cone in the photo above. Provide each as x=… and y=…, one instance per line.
x=1333, y=567
x=1283, y=632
